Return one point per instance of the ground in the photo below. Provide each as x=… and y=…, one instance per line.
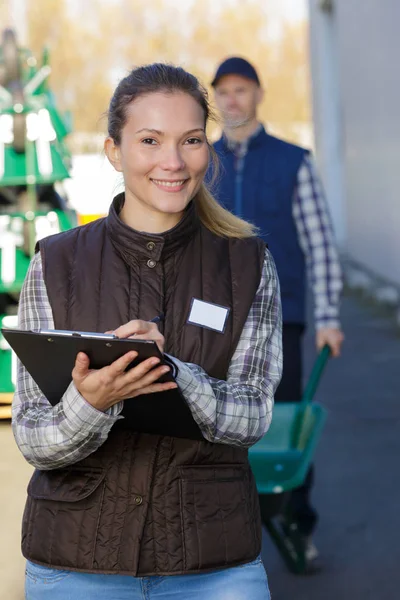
x=357, y=489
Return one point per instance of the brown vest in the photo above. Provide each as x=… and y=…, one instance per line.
x=145, y=504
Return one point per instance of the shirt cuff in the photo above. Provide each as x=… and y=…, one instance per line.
x=327, y=323
x=80, y=413
x=183, y=375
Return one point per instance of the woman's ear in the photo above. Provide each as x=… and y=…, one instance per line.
x=113, y=153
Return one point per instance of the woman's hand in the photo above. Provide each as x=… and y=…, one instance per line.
x=141, y=330
x=103, y=388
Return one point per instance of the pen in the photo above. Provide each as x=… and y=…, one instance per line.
x=157, y=319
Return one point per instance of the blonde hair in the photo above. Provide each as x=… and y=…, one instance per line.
x=219, y=220
x=214, y=216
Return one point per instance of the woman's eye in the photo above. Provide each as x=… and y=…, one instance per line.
x=150, y=141
x=193, y=140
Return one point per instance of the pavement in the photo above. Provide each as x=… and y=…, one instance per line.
x=357, y=488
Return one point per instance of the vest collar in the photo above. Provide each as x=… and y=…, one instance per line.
x=258, y=138
x=133, y=244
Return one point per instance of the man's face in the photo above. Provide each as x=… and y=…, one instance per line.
x=237, y=99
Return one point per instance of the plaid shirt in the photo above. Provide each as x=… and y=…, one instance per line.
x=315, y=235
x=237, y=411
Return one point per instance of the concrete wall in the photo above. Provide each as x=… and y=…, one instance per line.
x=356, y=96
x=327, y=112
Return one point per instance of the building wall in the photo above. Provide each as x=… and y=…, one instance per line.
x=327, y=112
x=366, y=125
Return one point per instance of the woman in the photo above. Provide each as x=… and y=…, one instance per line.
x=113, y=513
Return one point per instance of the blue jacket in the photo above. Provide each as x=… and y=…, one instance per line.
x=262, y=192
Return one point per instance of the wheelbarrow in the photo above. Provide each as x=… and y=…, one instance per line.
x=280, y=462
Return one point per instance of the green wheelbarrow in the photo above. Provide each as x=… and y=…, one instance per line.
x=280, y=462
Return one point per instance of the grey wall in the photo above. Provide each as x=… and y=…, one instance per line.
x=366, y=125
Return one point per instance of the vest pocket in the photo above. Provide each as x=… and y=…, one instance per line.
x=217, y=527
x=61, y=516
x=65, y=485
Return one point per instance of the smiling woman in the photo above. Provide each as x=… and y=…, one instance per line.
x=118, y=501
x=164, y=163
x=157, y=139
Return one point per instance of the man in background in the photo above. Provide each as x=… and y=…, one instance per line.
x=274, y=184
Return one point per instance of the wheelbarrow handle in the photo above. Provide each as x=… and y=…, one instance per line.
x=316, y=373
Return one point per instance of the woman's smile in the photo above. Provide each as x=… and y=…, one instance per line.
x=170, y=185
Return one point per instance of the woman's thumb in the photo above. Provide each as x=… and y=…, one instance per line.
x=81, y=367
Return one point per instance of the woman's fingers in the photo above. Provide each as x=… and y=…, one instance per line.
x=154, y=388
x=154, y=336
x=137, y=378
x=141, y=370
x=135, y=327
x=118, y=366
x=103, y=387
x=140, y=330
x=81, y=367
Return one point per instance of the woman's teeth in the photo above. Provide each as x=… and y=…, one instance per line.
x=169, y=183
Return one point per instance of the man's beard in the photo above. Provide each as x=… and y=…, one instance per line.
x=234, y=122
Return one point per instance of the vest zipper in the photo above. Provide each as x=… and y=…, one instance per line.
x=238, y=186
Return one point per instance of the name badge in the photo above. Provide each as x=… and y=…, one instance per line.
x=208, y=315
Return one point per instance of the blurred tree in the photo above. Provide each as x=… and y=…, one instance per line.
x=5, y=13
x=94, y=44
x=80, y=60
x=280, y=57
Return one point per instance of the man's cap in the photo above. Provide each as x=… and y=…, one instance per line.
x=235, y=66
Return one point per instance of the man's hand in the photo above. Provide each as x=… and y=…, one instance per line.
x=332, y=337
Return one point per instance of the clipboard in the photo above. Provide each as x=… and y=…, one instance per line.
x=49, y=357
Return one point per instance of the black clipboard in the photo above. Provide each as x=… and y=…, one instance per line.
x=49, y=357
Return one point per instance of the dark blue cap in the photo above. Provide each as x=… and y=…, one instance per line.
x=236, y=66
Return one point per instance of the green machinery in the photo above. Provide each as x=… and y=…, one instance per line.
x=34, y=160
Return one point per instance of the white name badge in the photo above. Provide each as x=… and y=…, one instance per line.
x=206, y=314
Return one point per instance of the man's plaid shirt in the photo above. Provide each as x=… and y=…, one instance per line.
x=315, y=235
x=237, y=411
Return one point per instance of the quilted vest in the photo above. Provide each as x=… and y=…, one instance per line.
x=262, y=193
x=146, y=504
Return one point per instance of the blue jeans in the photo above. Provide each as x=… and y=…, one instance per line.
x=237, y=583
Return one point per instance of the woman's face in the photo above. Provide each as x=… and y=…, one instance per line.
x=163, y=154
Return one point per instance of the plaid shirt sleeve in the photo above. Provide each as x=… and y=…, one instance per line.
x=238, y=411
x=52, y=436
x=316, y=239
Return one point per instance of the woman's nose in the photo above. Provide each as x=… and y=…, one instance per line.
x=172, y=159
